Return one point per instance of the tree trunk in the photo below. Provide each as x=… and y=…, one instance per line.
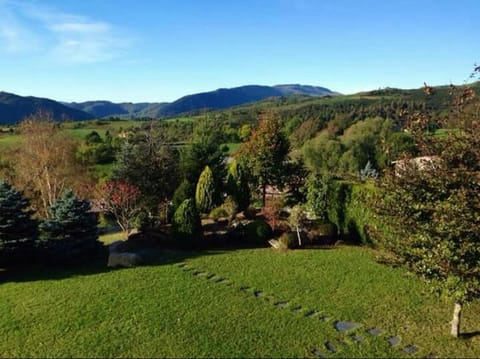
x=299, y=238
x=264, y=195
x=457, y=311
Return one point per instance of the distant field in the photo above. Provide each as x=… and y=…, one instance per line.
x=240, y=303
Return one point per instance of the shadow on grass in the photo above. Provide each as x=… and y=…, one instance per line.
x=150, y=256
x=470, y=335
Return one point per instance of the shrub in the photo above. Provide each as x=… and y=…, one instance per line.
x=186, y=224
x=250, y=212
x=231, y=207
x=258, y=231
x=288, y=240
x=18, y=231
x=217, y=213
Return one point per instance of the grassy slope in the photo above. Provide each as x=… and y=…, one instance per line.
x=163, y=311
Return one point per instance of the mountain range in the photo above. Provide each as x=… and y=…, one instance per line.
x=14, y=108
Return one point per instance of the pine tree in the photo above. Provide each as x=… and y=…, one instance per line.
x=18, y=231
x=186, y=222
x=205, y=191
x=71, y=233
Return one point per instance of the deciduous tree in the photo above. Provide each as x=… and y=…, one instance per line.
x=266, y=153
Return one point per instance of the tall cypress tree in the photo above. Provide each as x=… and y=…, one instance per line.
x=71, y=233
x=237, y=185
x=18, y=231
x=205, y=192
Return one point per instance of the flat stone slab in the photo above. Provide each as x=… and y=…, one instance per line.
x=281, y=304
x=258, y=293
x=374, y=331
x=330, y=347
x=410, y=349
x=317, y=352
x=220, y=280
x=210, y=276
x=344, y=326
x=393, y=341
x=357, y=338
x=311, y=313
x=244, y=288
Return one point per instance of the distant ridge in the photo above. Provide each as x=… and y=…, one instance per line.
x=212, y=100
x=14, y=108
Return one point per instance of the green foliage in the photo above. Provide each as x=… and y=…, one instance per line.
x=185, y=190
x=151, y=164
x=18, y=231
x=186, y=225
x=205, y=193
x=362, y=142
x=217, y=213
x=237, y=184
x=349, y=207
x=317, y=195
x=71, y=232
x=204, y=150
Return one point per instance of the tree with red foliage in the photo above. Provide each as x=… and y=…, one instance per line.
x=120, y=199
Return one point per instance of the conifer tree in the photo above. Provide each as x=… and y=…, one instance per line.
x=205, y=191
x=186, y=222
x=18, y=231
x=237, y=185
x=71, y=232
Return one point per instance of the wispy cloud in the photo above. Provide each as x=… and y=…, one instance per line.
x=62, y=37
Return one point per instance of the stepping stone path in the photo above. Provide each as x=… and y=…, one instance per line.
x=374, y=331
x=342, y=326
x=410, y=349
x=393, y=341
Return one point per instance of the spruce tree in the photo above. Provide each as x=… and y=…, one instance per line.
x=71, y=233
x=205, y=191
x=18, y=231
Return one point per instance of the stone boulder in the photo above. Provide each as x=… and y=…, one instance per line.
x=124, y=259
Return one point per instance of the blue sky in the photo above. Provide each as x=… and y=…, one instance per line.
x=158, y=50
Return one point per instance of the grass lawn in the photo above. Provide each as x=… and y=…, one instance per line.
x=165, y=310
